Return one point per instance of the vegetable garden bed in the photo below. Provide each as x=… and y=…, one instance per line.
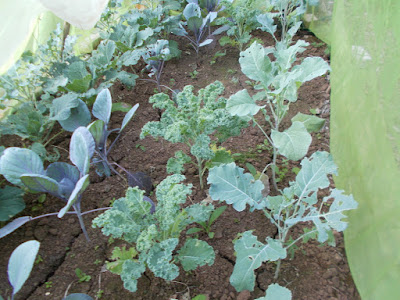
x=314, y=273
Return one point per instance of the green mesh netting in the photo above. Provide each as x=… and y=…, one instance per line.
x=365, y=138
x=318, y=18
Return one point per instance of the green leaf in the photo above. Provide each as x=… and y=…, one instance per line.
x=250, y=255
x=285, y=57
x=256, y=64
x=131, y=272
x=230, y=184
x=199, y=213
x=293, y=143
x=102, y=106
x=96, y=128
x=312, y=123
x=242, y=104
x=267, y=22
x=21, y=263
x=81, y=149
x=159, y=259
x=191, y=10
x=40, y=183
x=121, y=106
x=175, y=165
x=79, y=116
x=195, y=253
x=313, y=173
x=216, y=213
x=80, y=187
x=120, y=255
x=129, y=116
x=310, y=68
x=61, y=107
x=277, y=292
x=11, y=202
x=18, y=161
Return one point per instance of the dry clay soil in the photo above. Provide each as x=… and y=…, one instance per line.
x=315, y=272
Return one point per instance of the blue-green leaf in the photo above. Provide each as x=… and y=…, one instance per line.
x=96, y=128
x=294, y=142
x=250, y=255
x=13, y=225
x=21, y=263
x=256, y=64
x=81, y=149
x=242, y=104
x=230, y=184
x=195, y=253
x=159, y=259
x=11, y=202
x=312, y=123
x=79, y=116
x=40, y=183
x=129, y=116
x=78, y=296
x=17, y=161
x=80, y=187
x=310, y=68
x=131, y=272
x=277, y=292
x=60, y=170
x=102, y=106
x=61, y=107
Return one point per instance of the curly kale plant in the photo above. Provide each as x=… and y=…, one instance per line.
x=191, y=120
x=296, y=204
x=155, y=233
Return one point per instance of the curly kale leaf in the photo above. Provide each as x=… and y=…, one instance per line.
x=170, y=195
x=128, y=217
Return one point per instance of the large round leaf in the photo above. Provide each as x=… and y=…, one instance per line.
x=293, y=143
x=80, y=116
x=78, y=296
x=102, y=106
x=17, y=161
x=21, y=263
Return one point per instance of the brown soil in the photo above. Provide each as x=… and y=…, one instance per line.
x=315, y=272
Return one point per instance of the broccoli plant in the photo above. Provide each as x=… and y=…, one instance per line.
x=199, y=26
x=278, y=81
x=24, y=168
x=241, y=19
x=155, y=232
x=296, y=204
x=191, y=121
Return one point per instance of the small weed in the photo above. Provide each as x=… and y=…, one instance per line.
x=99, y=294
x=110, y=240
x=98, y=261
x=96, y=247
x=172, y=82
x=231, y=71
x=216, y=55
x=38, y=260
x=235, y=80
x=141, y=147
x=48, y=284
x=194, y=74
x=40, y=201
x=82, y=276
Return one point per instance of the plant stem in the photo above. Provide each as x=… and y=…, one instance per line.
x=278, y=268
x=200, y=167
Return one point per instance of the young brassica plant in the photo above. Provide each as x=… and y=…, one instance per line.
x=154, y=232
x=191, y=120
x=199, y=26
x=279, y=81
x=241, y=20
x=296, y=204
x=24, y=168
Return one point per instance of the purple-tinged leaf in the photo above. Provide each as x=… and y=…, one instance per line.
x=60, y=170
x=80, y=187
x=40, y=183
x=129, y=116
x=15, y=224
